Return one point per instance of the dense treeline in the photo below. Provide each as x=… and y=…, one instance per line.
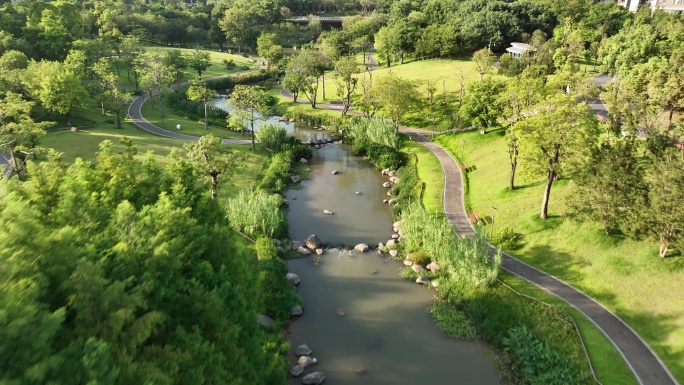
x=122, y=271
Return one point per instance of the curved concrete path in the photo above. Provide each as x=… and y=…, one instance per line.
x=135, y=115
x=642, y=360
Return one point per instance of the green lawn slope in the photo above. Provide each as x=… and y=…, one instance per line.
x=625, y=275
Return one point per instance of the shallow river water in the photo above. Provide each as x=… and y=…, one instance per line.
x=364, y=323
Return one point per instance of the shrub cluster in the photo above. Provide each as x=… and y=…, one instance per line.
x=179, y=103
x=276, y=175
x=376, y=139
x=278, y=295
x=315, y=120
x=228, y=82
x=256, y=213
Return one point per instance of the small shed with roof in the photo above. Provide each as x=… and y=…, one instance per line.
x=519, y=49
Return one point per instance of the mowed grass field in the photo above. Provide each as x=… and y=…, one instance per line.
x=625, y=275
x=216, y=68
x=86, y=141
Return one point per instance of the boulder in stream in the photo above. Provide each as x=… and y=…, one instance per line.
x=296, y=311
x=362, y=247
x=264, y=320
x=391, y=173
x=319, y=251
x=408, y=263
x=302, y=350
x=394, y=179
x=423, y=280
x=296, y=370
x=328, y=212
x=293, y=278
x=315, y=378
x=395, y=236
x=393, y=253
x=389, y=193
x=385, y=171
x=304, y=250
x=391, y=242
x=418, y=268
x=386, y=185
x=313, y=242
x=296, y=178
x=433, y=267
x=396, y=224
x=335, y=172
x=303, y=161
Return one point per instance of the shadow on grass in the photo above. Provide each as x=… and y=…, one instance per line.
x=658, y=330
x=558, y=263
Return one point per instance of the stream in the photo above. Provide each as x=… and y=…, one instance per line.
x=363, y=322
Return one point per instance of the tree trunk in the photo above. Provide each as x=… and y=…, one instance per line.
x=135, y=75
x=253, y=145
x=68, y=118
x=13, y=160
x=511, y=183
x=324, y=86
x=151, y=99
x=547, y=194
x=161, y=108
x=388, y=60
x=294, y=96
x=118, y=118
x=206, y=116
x=214, y=185
x=663, y=247
x=128, y=73
x=102, y=103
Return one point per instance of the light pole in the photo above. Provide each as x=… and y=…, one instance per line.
x=462, y=149
x=491, y=43
x=491, y=232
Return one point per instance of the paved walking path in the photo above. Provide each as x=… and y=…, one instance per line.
x=136, y=117
x=645, y=364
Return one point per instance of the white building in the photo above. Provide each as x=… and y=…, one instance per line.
x=518, y=49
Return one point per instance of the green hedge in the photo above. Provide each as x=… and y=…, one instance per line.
x=228, y=82
x=278, y=295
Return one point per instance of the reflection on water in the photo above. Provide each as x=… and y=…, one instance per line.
x=384, y=333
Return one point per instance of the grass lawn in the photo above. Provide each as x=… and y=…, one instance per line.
x=429, y=172
x=188, y=126
x=216, y=68
x=85, y=143
x=626, y=276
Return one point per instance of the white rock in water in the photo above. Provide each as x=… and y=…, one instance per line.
x=307, y=361
x=385, y=200
x=335, y=172
x=302, y=350
x=389, y=193
x=394, y=179
x=296, y=311
x=313, y=242
x=328, y=212
x=385, y=171
x=304, y=250
x=303, y=161
x=434, y=283
x=391, y=173
x=380, y=245
x=386, y=185
x=395, y=236
x=292, y=277
x=391, y=242
x=315, y=378
x=408, y=263
x=296, y=179
x=418, y=268
x=362, y=247
x=396, y=224
x=393, y=253
x=319, y=251
x=357, y=193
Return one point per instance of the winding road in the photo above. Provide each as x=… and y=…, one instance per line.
x=642, y=360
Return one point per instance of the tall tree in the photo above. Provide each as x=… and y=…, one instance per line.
x=395, y=96
x=199, y=60
x=484, y=61
x=199, y=92
x=235, y=23
x=177, y=63
x=611, y=186
x=18, y=132
x=346, y=68
x=250, y=104
x=111, y=95
x=481, y=104
x=156, y=76
x=663, y=216
x=213, y=159
x=556, y=138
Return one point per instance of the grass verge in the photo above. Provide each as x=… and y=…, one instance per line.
x=625, y=275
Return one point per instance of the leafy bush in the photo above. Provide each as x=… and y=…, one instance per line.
x=278, y=295
x=272, y=136
x=315, y=120
x=179, y=103
x=419, y=258
x=256, y=213
x=297, y=149
x=534, y=362
x=276, y=175
x=373, y=130
x=507, y=239
x=453, y=322
x=228, y=82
